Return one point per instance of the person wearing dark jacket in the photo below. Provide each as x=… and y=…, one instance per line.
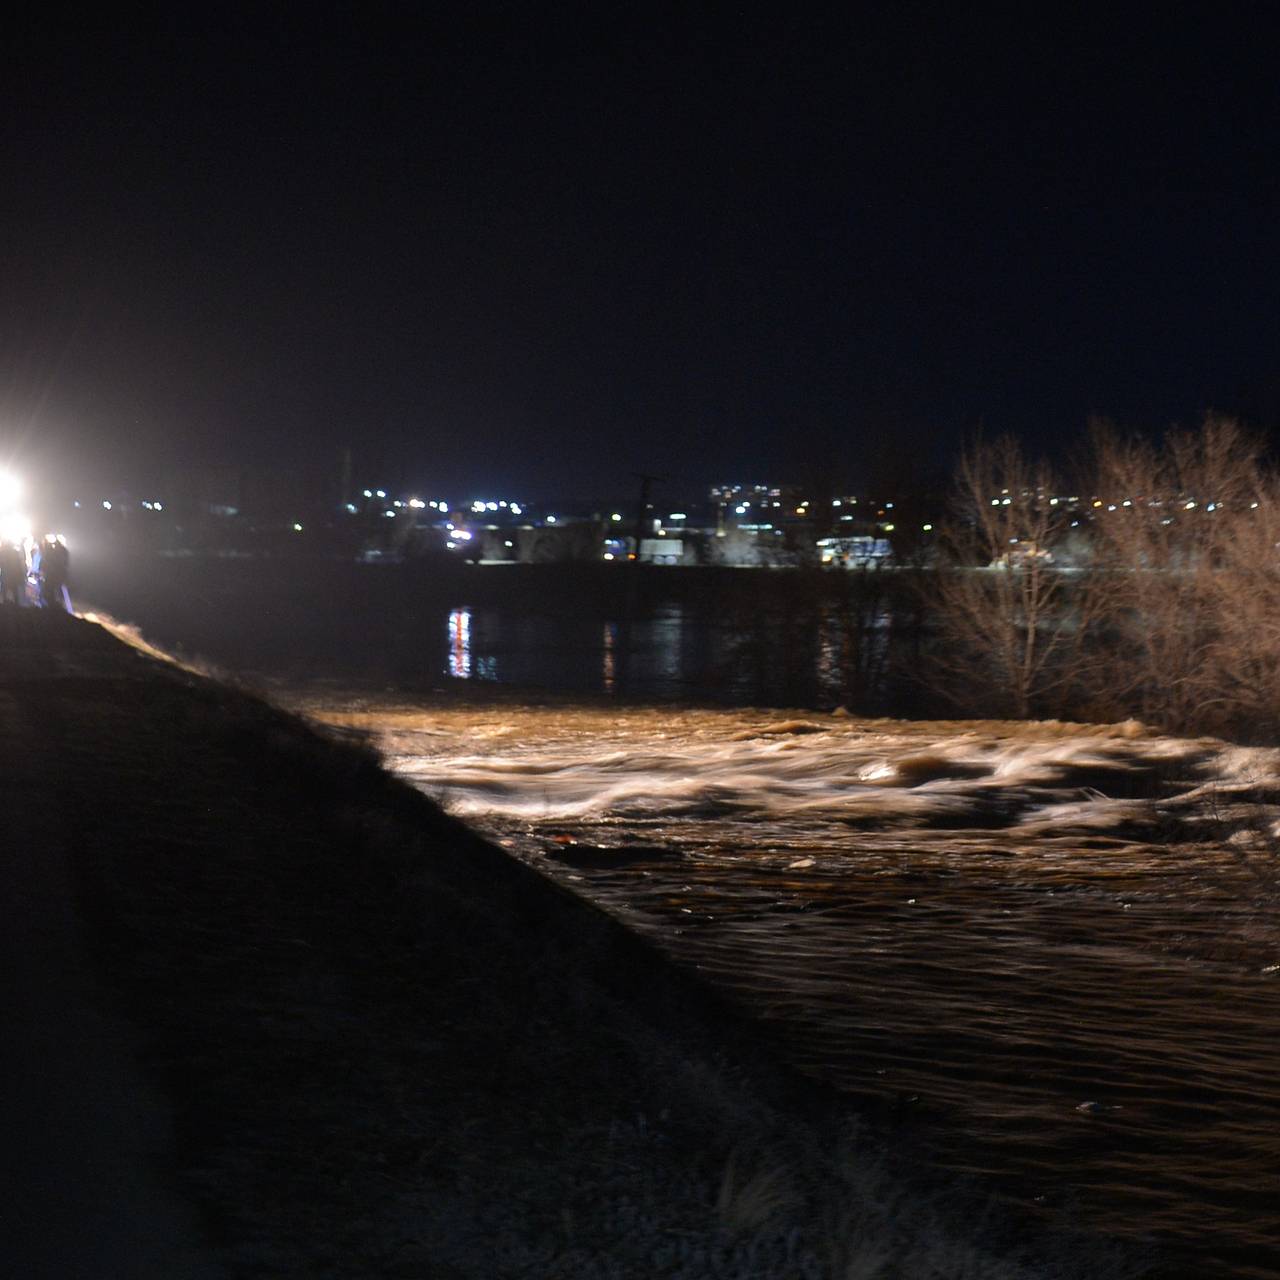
x=13, y=573
x=55, y=564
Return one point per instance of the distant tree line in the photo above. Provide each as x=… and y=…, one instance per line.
x=1156, y=594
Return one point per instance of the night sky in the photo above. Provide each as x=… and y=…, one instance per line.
x=535, y=253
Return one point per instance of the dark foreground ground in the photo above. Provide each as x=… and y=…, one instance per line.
x=272, y=1014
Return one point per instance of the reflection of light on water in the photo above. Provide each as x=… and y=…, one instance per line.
x=829, y=655
x=852, y=646
x=460, y=644
x=668, y=637
x=609, y=660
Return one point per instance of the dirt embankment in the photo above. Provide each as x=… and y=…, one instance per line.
x=388, y=1049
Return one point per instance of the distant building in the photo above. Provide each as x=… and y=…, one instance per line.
x=857, y=552
x=661, y=550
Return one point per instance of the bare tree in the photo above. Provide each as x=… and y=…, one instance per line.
x=1010, y=627
x=1182, y=559
x=1243, y=610
x=1244, y=655
x=1162, y=602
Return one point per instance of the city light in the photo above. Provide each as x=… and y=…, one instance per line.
x=729, y=501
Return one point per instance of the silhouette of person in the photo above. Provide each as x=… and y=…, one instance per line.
x=55, y=565
x=13, y=574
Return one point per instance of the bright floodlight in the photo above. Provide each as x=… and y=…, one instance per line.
x=14, y=528
x=10, y=489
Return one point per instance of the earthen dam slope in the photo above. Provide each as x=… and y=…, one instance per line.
x=270, y=1012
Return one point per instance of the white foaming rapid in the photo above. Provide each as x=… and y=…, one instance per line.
x=550, y=765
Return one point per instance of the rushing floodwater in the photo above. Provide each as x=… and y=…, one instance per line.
x=1058, y=947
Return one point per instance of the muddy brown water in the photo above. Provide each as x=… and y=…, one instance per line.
x=1053, y=950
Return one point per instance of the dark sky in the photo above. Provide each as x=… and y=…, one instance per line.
x=538, y=252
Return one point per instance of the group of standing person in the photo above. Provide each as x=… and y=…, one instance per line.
x=43, y=566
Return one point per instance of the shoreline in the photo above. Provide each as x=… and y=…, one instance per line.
x=393, y=1050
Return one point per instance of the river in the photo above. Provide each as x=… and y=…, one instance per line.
x=1055, y=949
